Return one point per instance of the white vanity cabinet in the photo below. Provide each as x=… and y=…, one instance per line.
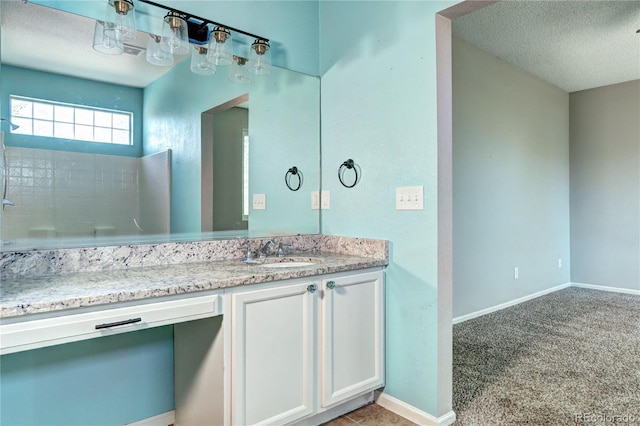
x=301, y=348
x=298, y=351
x=272, y=354
x=352, y=336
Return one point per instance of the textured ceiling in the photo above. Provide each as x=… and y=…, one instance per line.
x=574, y=45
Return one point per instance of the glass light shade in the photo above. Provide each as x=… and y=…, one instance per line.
x=155, y=55
x=199, y=63
x=259, y=58
x=220, y=46
x=123, y=16
x=107, y=42
x=238, y=71
x=175, y=35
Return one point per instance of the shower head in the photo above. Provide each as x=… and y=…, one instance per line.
x=13, y=126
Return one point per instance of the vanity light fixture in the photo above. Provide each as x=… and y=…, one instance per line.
x=107, y=42
x=155, y=55
x=175, y=35
x=199, y=37
x=121, y=13
x=213, y=42
x=199, y=61
x=220, y=46
x=260, y=58
x=238, y=71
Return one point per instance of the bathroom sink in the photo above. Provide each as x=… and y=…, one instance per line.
x=287, y=264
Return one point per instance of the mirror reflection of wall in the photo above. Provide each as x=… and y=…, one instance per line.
x=166, y=146
x=225, y=167
x=77, y=195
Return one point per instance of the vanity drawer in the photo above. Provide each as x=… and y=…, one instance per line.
x=37, y=333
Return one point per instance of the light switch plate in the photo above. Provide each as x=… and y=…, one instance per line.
x=259, y=202
x=410, y=198
x=315, y=200
x=325, y=200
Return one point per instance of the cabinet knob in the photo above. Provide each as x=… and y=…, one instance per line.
x=331, y=285
x=311, y=288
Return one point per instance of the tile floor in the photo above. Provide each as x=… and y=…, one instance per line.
x=370, y=415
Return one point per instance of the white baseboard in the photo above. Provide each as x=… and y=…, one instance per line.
x=606, y=288
x=514, y=302
x=412, y=413
x=164, y=419
x=508, y=304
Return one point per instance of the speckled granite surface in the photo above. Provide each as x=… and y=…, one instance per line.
x=65, y=261
x=99, y=276
x=354, y=246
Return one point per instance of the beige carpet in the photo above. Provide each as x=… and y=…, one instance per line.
x=570, y=357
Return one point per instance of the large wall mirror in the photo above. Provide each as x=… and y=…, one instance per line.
x=201, y=146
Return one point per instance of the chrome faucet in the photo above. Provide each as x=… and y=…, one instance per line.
x=283, y=249
x=250, y=255
x=267, y=249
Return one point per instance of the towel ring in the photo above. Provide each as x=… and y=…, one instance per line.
x=293, y=171
x=348, y=165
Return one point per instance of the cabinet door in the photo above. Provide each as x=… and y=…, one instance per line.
x=352, y=336
x=272, y=345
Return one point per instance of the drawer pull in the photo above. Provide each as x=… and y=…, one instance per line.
x=118, y=323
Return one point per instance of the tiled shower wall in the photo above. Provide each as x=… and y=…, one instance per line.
x=69, y=194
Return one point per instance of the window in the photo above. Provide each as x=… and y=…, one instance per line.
x=38, y=117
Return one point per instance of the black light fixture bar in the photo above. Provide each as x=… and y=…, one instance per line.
x=204, y=21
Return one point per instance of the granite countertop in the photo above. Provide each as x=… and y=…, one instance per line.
x=33, y=295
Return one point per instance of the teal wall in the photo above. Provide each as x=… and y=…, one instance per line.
x=106, y=381
x=510, y=182
x=379, y=108
x=283, y=132
x=60, y=88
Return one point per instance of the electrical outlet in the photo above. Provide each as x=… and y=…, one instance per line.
x=259, y=202
x=315, y=200
x=325, y=200
x=410, y=198
x=516, y=273
x=560, y=263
